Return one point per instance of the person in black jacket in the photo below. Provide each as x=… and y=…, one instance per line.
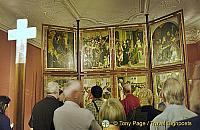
x=42, y=113
x=4, y=120
x=145, y=113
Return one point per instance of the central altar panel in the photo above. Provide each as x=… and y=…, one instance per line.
x=130, y=47
x=96, y=49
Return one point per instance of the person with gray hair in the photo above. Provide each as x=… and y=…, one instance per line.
x=173, y=94
x=131, y=102
x=194, y=103
x=71, y=116
x=42, y=113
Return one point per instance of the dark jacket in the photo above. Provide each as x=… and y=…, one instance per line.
x=142, y=114
x=188, y=124
x=4, y=122
x=42, y=114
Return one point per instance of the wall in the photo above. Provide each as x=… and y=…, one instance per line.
x=193, y=52
x=33, y=88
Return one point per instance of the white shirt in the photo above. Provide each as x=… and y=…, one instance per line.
x=71, y=117
x=171, y=114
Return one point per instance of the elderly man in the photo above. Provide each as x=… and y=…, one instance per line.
x=173, y=95
x=130, y=102
x=70, y=116
x=42, y=113
x=194, y=122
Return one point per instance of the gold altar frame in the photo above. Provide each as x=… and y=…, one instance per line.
x=133, y=27
x=47, y=28
x=176, y=19
x=97, y=31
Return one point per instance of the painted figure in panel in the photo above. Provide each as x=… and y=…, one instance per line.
x=166, y=44
x=96, y=51
x=129, y=46
x=60, y=49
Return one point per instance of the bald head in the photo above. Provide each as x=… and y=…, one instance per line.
x=127, y=88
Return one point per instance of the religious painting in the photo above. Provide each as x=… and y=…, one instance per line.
x=167, y=42
x=158, y=82
x=105, y=82
x=130, y=47
x=96, y=50
x=60, y=50
x=61, y=80
x=137, y=83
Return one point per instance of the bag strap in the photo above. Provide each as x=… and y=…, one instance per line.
x=95, y=106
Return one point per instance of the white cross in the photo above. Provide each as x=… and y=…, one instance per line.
x=21, y=34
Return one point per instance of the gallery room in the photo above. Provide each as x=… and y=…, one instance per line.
x=99, y=64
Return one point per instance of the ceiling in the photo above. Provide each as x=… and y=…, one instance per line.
x=96, y=13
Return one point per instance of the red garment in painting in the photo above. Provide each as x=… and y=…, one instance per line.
x=130, y=102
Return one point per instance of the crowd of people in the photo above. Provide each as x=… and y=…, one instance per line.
x=131, y=113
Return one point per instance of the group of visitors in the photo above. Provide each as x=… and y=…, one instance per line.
x=132, y=113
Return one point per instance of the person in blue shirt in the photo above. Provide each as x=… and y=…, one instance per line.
x=194, y=122
x=4, y=120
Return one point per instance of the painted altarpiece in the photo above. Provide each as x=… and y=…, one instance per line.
x=114, y=55
x=130, y=47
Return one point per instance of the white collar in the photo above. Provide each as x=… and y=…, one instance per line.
x=67, y=103
x=174, y=106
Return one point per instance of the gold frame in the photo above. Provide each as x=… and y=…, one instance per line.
x=174, y=18
x=96, y=30
x=145, y=48
x=45, y=42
